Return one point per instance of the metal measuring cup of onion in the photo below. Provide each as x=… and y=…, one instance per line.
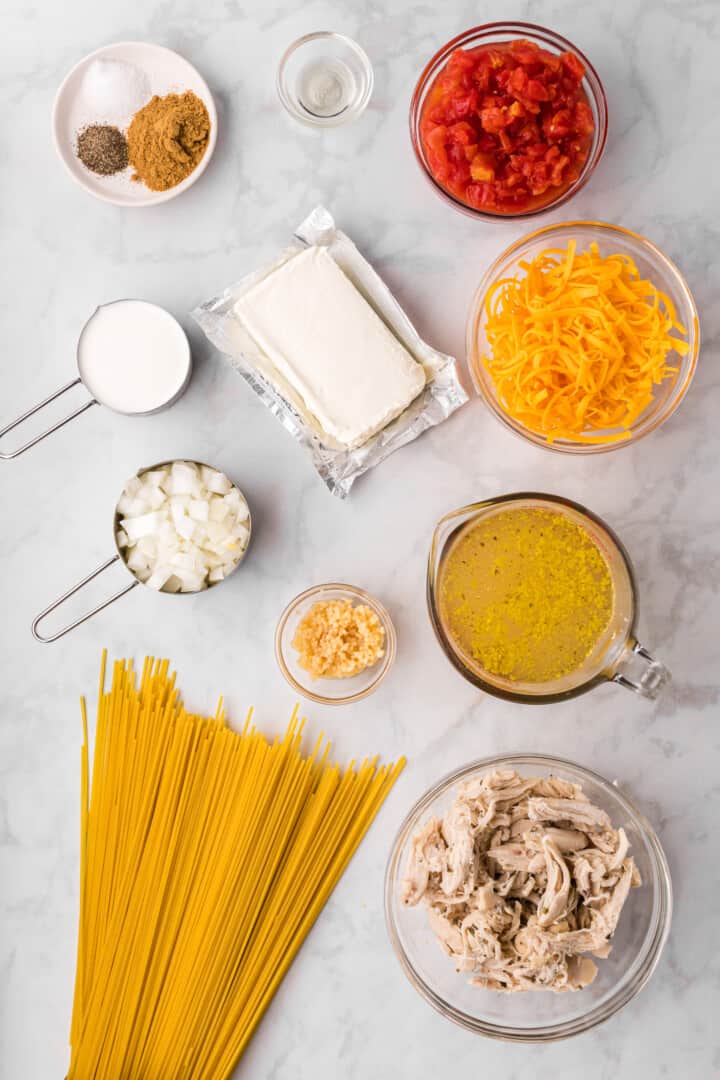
x=179, y=527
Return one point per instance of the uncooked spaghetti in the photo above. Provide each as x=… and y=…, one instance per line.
x=206, y=856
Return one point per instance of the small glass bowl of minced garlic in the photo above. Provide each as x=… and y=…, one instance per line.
x=334, y=643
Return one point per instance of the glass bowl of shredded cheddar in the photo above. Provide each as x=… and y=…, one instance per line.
x=583, y=337
x=334, y=643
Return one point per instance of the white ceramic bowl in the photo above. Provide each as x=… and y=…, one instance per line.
x=167, y=73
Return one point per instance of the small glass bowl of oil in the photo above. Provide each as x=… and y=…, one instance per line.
x=324, y=79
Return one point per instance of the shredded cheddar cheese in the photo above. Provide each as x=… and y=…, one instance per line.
x=577, y=342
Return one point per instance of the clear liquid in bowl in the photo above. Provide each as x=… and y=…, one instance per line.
x=326, y=87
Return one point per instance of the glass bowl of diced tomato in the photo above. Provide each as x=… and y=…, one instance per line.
x=508, y=120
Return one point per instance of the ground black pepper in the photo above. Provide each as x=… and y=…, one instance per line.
x=103, y=149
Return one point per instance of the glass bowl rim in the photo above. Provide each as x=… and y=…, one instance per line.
x=354, y=592
x=690, y=360
x=350, y=113
x=539, y=34
x=654, y=948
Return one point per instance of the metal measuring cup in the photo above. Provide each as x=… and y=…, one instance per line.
x=120, y=556
x=97, y=398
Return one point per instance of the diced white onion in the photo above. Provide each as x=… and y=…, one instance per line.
x=215, y=481
x=143, y=525
x=182, y=527
x=219, y=509
x=199, y=509
x=158, y=577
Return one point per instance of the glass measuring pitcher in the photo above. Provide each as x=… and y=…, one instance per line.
x=617, y=656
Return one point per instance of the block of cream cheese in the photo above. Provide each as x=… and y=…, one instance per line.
x=328, y=344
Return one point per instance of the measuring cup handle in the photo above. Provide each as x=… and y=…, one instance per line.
x=6, y=456
x=637, y=671
x=71, y=592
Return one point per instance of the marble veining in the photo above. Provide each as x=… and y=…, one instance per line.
x=345, y=1007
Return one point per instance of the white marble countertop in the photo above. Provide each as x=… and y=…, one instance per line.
x=346, y=1008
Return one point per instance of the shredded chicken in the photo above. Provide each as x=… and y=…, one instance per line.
x=521, y=877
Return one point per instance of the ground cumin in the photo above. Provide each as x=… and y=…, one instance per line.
x=167, y=139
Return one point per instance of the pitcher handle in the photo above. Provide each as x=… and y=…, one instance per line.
x=8, y=455
x=636, y=670
x=71, y=592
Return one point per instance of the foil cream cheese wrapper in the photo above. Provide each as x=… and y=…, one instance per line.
x=338, y=466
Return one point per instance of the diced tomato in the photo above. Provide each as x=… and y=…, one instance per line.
x=436, y=143
x=463, y=105
x=538, y=177
x=535, y=152
x=583, y=118
x=573, y=65
x=506, y=141
x=461, y=132
x=525, y=52
x=518, y=81
x=461, y=60
x=494, y=119
x=536, y=90
x=482, y=167
x=558, y=125
x=507, y=127
x=480, y=195
x=558, y=169
x=553, y=63
x=496, y=57
x=447, y=85
x=483, y=76
x=436, y=114
x=528, y=133
x=456, y=155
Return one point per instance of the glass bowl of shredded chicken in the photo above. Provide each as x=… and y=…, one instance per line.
x=527, y=899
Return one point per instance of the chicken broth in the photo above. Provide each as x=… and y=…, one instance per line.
x=525, y=594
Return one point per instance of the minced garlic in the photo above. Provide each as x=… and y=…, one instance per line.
x=336, y=640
